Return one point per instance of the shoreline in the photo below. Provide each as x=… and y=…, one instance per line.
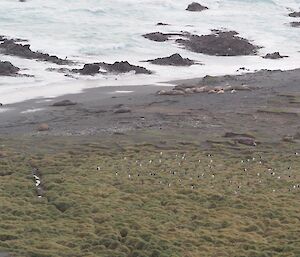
x=273, y=103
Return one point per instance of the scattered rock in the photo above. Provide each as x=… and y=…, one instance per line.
x=43, y=127
x=64, y=103
x=274, y=56
x=173, y=60
x=294, y=14
x=219, y=43
x=123, y=67
x=7, y=69
x=88, y=69
x=10, y=47
x=246, y=141
x=196, y=7
x=295, y=24
x=122, y=110
x=162, y=24
x=242, y=69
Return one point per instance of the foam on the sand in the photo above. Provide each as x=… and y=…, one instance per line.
x=32, y=110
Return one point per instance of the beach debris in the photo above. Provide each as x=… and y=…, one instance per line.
x=196, y=7
x=43, y=127
x=173, y=60
x=274, y=56
x=8, y=69
x=64, y=103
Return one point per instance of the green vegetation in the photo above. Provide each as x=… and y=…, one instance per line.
x=171, y=205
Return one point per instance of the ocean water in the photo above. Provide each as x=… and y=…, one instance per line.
x=105, y=30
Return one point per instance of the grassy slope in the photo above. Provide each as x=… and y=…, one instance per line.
x=86, y=212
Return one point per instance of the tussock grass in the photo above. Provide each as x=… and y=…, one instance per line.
x=171, y=205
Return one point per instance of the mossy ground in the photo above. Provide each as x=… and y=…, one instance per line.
x=172, y=204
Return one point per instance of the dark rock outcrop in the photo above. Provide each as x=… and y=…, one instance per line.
x=10, y=47
x=117, y=67
x=162, y=24
x=7, y=69
x=173, y=60
x=196, y=7
x=294, y=14
x=219, y=43
x=64, y=103
x=274, y=56
x=160, y=37
x=88, y=69
x=157, y=36
x=295, y=24
x=123, y=67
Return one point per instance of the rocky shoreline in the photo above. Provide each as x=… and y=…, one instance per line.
x=207, y=107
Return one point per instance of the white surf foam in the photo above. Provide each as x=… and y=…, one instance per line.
x=104, y=30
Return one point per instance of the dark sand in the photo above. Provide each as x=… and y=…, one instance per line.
x=270, y=113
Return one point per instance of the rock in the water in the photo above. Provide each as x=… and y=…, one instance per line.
x=10, y=47
x=43, y=127
x=64, y=103
x=157, y=36
x=295, y=24
x=88, y=69
x=123, y=67
x=294, y=14
x=173, y=60
x=196, y=7
x=274, y=56
x=122, y=110
x=219, y=43
x=7, y=69
x=162, y=24
x=161, y=37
